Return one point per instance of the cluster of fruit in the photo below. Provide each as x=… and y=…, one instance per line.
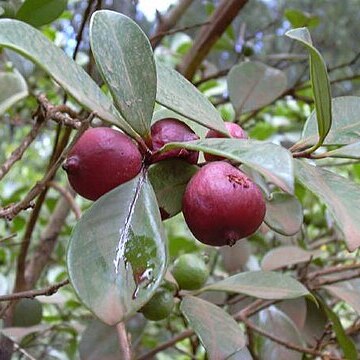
x=220, y=205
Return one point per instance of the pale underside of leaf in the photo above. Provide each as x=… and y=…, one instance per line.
x=341, y=195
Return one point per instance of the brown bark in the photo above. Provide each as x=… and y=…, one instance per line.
x=209, y=34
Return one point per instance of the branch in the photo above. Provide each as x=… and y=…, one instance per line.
x=17, y=154
x=168, y=22
x=124, y=343
x=332, y=270
x=287, y=344
x=68, y=195
x=209, y=34
x=10, y=211
x=47, y=242
x=31, y=294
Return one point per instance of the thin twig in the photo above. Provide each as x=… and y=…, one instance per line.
x=10, y=211
x=166, y=23
x=287, y=344
x=66, y=193
x=332, y=270
x=17, y=154
x=31, y=294
x=124, y=344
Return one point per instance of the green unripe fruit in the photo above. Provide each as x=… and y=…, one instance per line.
x=159, y=306
x=190, y=272
x=27, y=312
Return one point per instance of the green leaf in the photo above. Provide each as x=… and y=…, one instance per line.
x=178, y=94
x=284, y=214
x=285, y=256
x=13, y=88
x=298, y=18
x=210, y=324
x=345, y=127
x=41, y=12
x=261, y=284
x=351, y=151
x=272, y=161
x=125, y=59
x=348, y=291
x=278, y=324
x=319, y=81
x=32, y=44
x=117, y=253
x=253, y=85
x=340, y=195
x=345, y=342
x=169, y=179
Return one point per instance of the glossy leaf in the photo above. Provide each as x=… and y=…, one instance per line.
x=178, y=94
x=274, y=321
x=345, y=127
x=210, y=323
x=253, y=85
x=285, y=256
x=351, y=151
x=295, y=309
x=315, y=323
x=319, y=81
x=261, y=284
x=32, y=44
x=341, y=195
x=272, y=161
x=13, y=88
x=169, y=179
x=41, y=12
x=125, y=59
x=348, y=291
x=101, y=341
x=284, y=214
x=117, y=254
x=345, y=341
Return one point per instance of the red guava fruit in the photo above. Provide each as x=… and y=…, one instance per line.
x=172, y=130
x=235, y=131
x=102, y=159
x=222, y=205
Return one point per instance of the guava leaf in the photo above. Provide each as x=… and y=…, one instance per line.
x=169, y=179
x=210, y=323
x=40, y=12
x=351, y=151
x=272, y=161
x=117, y=254
x=344, y=340
x=178, y=94
x=125, y=60
x=284, y=214
x=345, y=128
x=340, y=195
x=32, y=44
x=277, y=323
x=348, y=291
x=13, y=88
x=319, y=81
x=261, y=284
x=287, y=255
x=253, y=85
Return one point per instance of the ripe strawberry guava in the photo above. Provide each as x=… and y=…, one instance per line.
x=222, y=205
